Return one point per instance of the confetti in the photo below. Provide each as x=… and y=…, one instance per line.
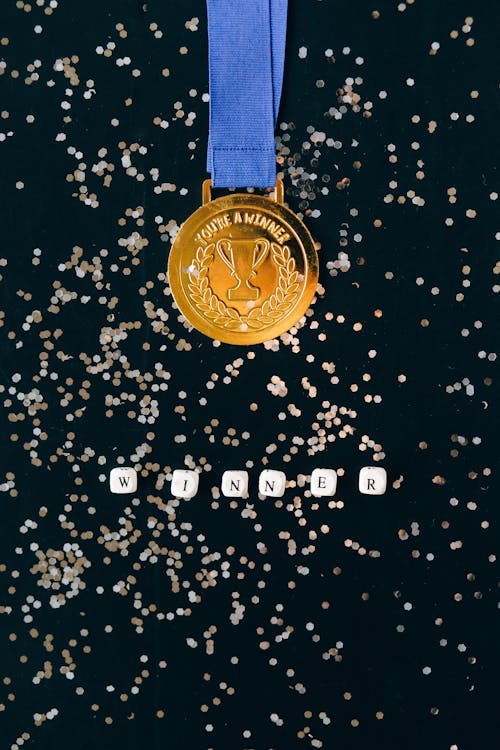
x=251, y=622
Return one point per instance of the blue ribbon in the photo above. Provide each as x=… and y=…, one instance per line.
x=246, y=55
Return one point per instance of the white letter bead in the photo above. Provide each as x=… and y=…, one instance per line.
x=323, y=482
x=184, y=483
x=272, y=483
x=123, y=480
x=372, y=480
x=235, y=484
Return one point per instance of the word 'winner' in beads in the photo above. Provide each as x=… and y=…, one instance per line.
x=234, y=483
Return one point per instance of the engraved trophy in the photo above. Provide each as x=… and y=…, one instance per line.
x=243, y=257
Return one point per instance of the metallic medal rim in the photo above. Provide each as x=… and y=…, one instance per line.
x=234, y=201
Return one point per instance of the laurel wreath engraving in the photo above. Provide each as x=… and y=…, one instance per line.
x=216, y=310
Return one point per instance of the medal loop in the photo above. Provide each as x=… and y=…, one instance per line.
x=279, y=191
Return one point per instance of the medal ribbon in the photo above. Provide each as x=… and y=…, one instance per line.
x=246, y=55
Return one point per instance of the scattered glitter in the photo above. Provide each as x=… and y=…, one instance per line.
x=257, y=622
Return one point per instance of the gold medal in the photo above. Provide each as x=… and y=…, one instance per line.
x=243, y=268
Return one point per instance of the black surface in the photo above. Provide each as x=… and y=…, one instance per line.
x=449, y=490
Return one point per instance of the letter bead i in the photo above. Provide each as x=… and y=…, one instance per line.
x=184, y=483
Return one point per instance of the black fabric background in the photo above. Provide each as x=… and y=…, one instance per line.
x=446, y=504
